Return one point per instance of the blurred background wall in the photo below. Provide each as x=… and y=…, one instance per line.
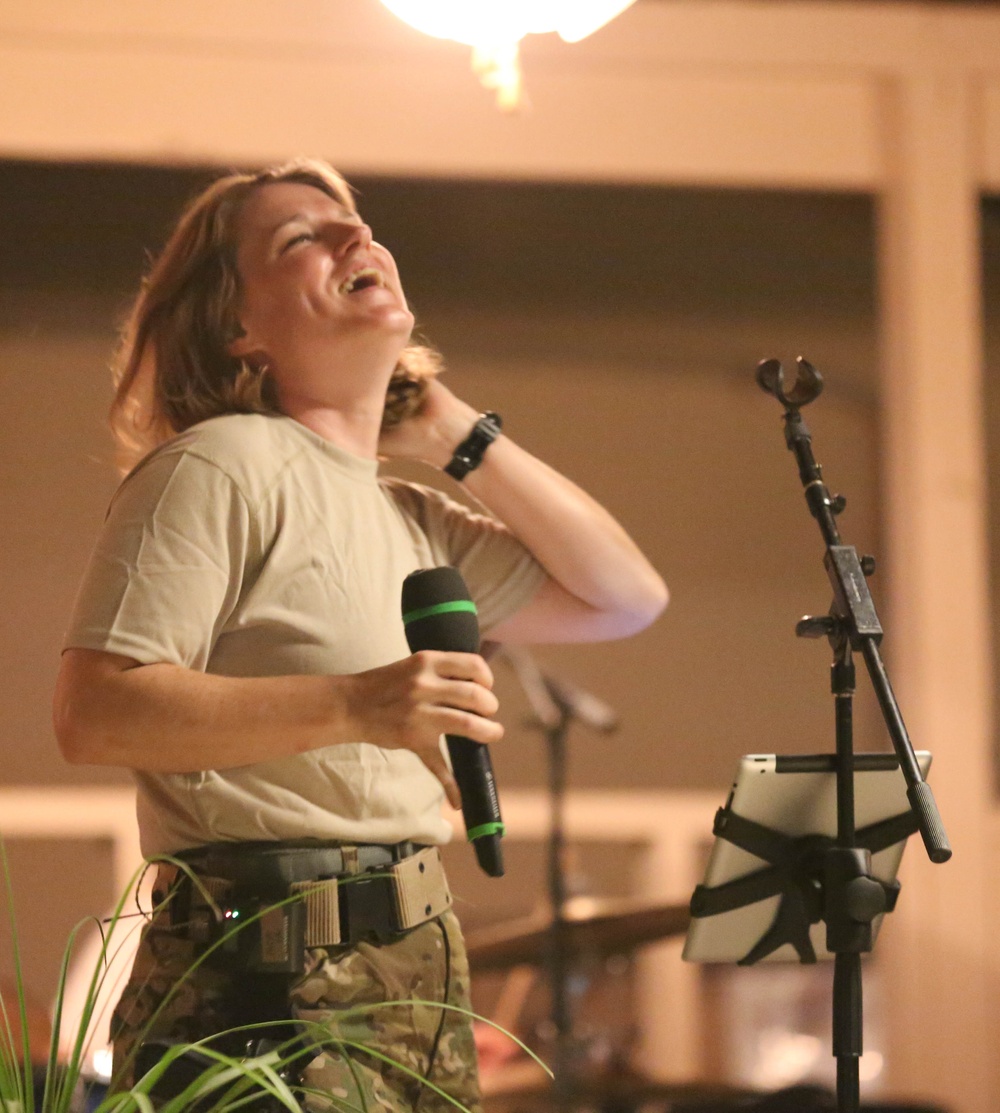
x=697, y=187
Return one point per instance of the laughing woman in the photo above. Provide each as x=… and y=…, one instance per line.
x=237, y=640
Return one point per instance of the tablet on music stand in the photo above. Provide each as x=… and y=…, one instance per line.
x=786, y=807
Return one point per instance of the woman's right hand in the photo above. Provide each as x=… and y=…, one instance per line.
x=411, y=703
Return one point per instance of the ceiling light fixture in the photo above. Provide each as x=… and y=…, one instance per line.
x=494, y=28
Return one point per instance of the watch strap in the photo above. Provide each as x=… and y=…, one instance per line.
x=469, y=454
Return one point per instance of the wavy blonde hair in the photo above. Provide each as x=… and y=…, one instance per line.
x=172, y=367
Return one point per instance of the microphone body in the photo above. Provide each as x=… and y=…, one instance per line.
x=439, y=614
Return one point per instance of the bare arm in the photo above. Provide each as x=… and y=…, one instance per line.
x=112, y=710
x=600, y=585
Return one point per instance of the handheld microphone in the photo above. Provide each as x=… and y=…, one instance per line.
x=438, y=614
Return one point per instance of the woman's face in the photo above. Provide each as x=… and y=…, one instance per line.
x=317, y=291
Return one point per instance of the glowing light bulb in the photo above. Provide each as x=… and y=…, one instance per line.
x=494, y=28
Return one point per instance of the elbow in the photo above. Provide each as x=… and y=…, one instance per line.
x=640, y=611
x=72, y=736
x=659, y=597
x=77, y=732
x=73, y=748
x=79, y=743
x=650, y=605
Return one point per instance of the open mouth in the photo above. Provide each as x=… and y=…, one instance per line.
x=363, y=279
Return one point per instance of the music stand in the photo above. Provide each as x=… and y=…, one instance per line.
x=842, y=890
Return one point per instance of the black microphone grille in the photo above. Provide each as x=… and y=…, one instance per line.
x=428, y=586
x=438, y=612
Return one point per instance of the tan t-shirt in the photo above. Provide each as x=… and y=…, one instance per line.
x=250, y=546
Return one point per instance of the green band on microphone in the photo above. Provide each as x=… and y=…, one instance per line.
x=485, y=829
x=440, y=608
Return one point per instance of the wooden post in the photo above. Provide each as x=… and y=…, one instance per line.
x=938, y=955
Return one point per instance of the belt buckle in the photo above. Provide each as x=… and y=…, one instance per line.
x=368, y=907
x=420, y=887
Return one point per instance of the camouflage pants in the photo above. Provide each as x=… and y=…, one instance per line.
x=381, y=996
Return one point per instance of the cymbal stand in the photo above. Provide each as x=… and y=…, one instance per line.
x=556, y=705
x=851, y=897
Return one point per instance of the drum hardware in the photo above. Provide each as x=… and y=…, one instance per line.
x=556, y=705
x=524, y=1088
x=589, y=927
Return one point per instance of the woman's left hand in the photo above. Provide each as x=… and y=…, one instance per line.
x=434, y=432
x=599, y=584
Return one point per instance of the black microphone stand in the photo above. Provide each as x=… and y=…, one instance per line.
x=555, y=706
x=852, y=898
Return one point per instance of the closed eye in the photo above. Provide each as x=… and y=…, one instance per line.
x=307, y=237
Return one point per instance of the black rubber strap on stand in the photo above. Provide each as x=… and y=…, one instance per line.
x=794, y=873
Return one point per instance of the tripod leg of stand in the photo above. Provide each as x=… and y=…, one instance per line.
x=847, y=1029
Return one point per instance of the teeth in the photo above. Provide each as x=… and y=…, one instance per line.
x=367, y=276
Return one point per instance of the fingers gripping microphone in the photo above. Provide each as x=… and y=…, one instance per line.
x=438, y=614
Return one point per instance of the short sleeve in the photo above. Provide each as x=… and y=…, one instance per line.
x=168, y=566
x=500, y=572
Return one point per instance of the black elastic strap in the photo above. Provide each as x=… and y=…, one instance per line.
x=794, y=873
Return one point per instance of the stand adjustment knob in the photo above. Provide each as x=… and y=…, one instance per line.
x=864, y=899
x=816, y=626
x=868, y=565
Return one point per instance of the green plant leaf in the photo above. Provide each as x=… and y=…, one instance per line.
x=227, y=1084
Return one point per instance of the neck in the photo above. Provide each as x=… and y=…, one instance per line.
x=342, y=403
x=355, y=430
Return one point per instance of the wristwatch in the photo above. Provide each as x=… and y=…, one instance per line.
x=469, y=454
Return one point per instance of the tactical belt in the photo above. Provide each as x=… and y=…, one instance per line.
x=264, y=903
